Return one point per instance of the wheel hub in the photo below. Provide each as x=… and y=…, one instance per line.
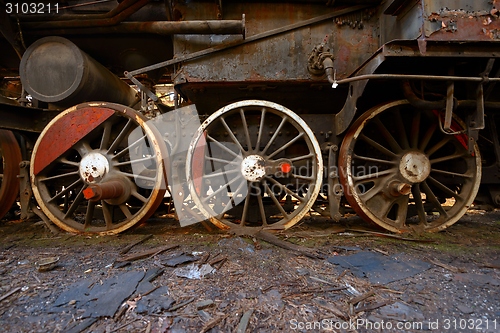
x=414, y=167
x=253, y=168
x=93, y=167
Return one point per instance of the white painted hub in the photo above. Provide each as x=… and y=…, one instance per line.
x=253, y=168
x=93, y=167
x=415, y=167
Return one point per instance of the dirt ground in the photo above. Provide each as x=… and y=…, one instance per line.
x=194, y=280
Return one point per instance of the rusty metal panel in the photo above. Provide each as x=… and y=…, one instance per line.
x=461, y=20
x=280, y=58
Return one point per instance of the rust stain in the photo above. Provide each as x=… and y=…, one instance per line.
x=65, y=132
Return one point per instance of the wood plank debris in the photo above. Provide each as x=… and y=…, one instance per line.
x=147, y=253
x=245, y=319
x=129, y=247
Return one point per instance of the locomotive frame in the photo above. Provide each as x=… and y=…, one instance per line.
x=384, y=108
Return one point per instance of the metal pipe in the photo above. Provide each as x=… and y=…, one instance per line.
x=417, y=77
x=439, y=105
x=212, y=27
x=328, y=66
x=54, y=70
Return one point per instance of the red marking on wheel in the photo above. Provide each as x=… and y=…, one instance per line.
x=286, y=167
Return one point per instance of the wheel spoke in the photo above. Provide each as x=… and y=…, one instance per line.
x=125, y=210
x=427, y=137
x=432, y=198
x=63, y=175
x=222, y=173
x=231, y=134
x=371, y=159
x=286, y=189
x=262, y=210
x=443, y=188
x=447, y=158
x=403, y=137
x=417, y=196
x=106, y=212
x=450, y=173
x=378, y=174
x=106, y=134
x=261, y=129
x=66, y=161
x=438, y=145
x=300, y=158
x=377, y=146
x=137, y=195
x=275, y=200
x=275, y=135
x=396, y=148
x=219, y=190
x=74, y=205
x=123, y=134
x=89, y=215
x=373, y=191
x=140, y=160
x=223, y=147
x=129, y=147
x=65, y=191
x=245, y=130
x=415, y=130
x=285, y=146
x=223, y=161
x=131, y=175
x=245, y=207
x=309, y=178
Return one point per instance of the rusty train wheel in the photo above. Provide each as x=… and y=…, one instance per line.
x=254, y=164
x=97, y=168
x=400, y=171
x=10, y=157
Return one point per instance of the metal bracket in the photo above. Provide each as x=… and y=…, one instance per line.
x=334, y=188
x=25, y=192
x=141, y=87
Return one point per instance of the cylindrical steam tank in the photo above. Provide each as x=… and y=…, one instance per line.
x=56, y=71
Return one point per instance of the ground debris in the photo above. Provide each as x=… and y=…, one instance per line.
x=194, y=271
x=147, y=253
x=129, y=247
x=245, y=319
x=272, y=239
x=379, y=268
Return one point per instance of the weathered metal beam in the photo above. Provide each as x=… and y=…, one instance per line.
x=26, y=119
x=212, y=27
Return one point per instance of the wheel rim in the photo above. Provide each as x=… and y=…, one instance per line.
x=272, y=166
x=10, y=157
x=97, y=167
x=400, y=171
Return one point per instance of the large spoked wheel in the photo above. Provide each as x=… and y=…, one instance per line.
x=97, y=168
x=10, y=157
x=400, y=171
x=254, y=164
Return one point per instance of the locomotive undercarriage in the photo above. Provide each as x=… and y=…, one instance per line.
x=406, y=141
